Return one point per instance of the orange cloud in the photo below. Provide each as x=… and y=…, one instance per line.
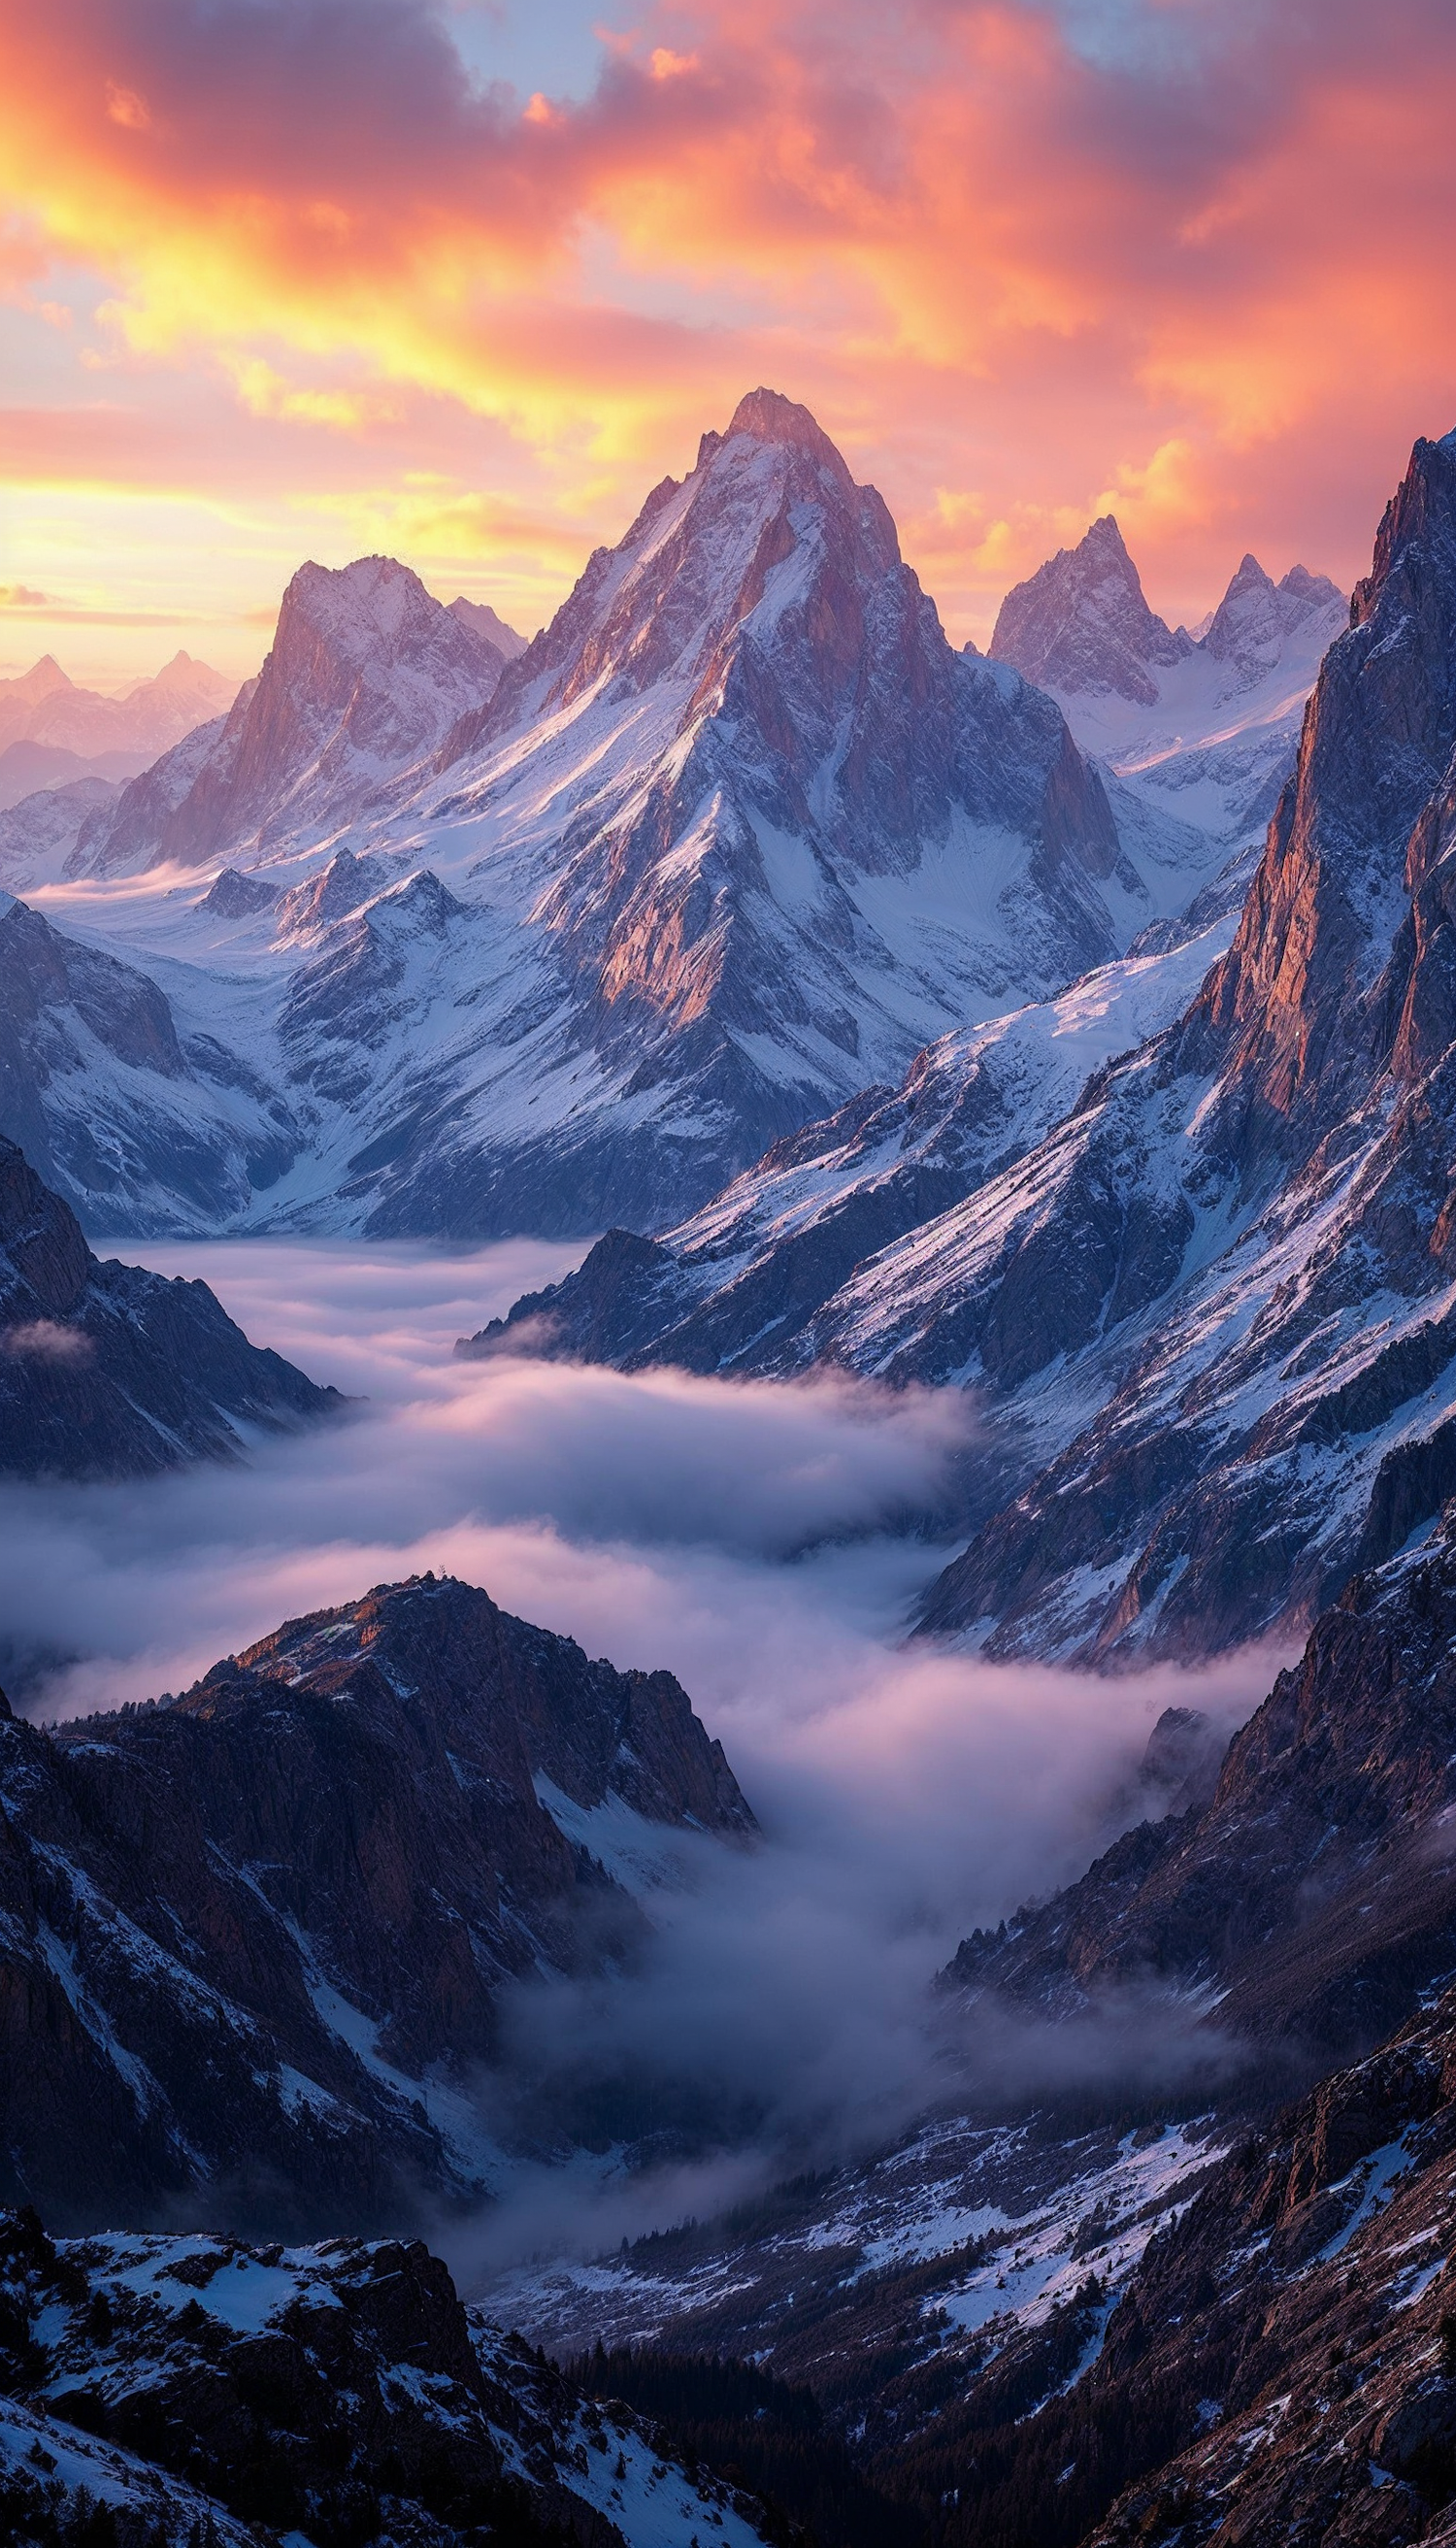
x=1200, y=269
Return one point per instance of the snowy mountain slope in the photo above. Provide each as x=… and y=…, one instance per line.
x=365, y=674
x=141, y=1127
x=1197, y=736
x=219, y=2394
x=745, y=1283
x=255, y=1937
x=40, y=831
x=1210, y=1311
x=736, y=835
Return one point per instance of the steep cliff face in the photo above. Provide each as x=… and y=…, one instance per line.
x=366, y=673
x=106, y=1371
x=256, y=1936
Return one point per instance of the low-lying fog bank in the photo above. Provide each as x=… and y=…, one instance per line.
x=740, y=1533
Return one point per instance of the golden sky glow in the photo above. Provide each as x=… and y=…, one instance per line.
x=283, y=278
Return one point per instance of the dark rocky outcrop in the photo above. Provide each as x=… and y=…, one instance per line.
x=108, y=1371
x=176, y=2390
x=1314, y=1895
x=255, y=1937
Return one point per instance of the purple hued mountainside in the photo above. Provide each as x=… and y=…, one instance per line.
x=1073, y=1026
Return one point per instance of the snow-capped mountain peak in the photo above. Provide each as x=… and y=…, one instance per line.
x=41, y=681
x=1199, y=733
x=366, y=673
x=1256, y=617
x=738, y=832
x=1082, y=623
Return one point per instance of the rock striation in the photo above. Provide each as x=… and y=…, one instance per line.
x=256, y=1936
x=108, y=1371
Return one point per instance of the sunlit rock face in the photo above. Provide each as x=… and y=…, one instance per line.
x=256, y=1936
x=365, y=674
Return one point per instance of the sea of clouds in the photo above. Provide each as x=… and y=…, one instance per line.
x=749, y=1535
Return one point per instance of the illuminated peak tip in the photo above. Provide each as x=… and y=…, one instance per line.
x=768, y=416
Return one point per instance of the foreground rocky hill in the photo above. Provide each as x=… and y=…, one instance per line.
x=108, y=1371
x=190, y=2389
x=255, y=1937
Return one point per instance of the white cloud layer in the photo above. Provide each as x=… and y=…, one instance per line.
x=736, y=1533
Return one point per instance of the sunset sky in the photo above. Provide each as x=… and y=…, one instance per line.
x=290, y=278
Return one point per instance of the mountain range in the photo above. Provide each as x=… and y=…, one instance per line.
x=726, y=843
x=1206, y=1310
x=1199, y=731
x=947, y=1020
x=54, y=731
